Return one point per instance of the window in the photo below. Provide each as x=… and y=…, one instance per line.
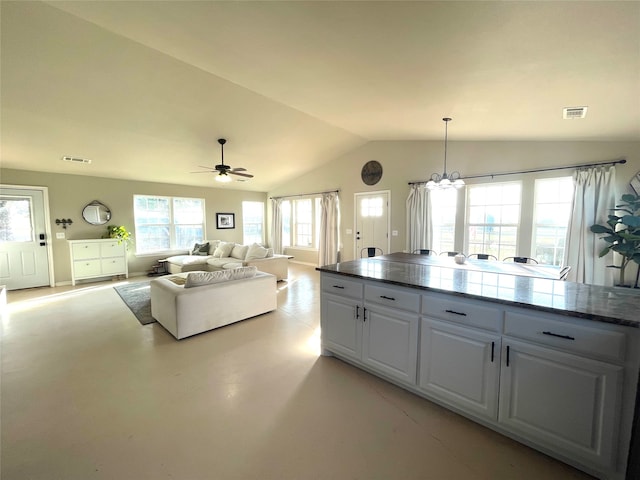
x=167, y=223
x=493, y=216
x=252, y=222
x=553, y=199
x=301, y=222
x=443, y=219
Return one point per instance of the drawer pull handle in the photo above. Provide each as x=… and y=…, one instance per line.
x=507, y=355
x=364, y=314
x=493, y=347
x=456, y=313
x=357, y=312
x=339, y=286
x=566, y=337
x=387, y=298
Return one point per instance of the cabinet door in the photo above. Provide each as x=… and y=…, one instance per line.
x=341, y=325
x=460, y=366
x=82, y=251
x=562, y=401
x=390, y=342
x=112, y=249
x=113, y=266
x=86, y=268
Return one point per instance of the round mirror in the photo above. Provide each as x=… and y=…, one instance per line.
x=96, y=213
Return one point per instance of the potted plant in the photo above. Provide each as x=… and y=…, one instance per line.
x=622, y=233
x=119, y=232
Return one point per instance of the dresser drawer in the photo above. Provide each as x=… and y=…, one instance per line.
x=86, y=268
x=392, y=297
x=112, y=249
x=340, y=285
x=112, y=266
x=568, y=336
x=86, y=250
x=463, y=311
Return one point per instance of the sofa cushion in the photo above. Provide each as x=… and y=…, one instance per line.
x=223, y=250
x=183, y=260
x=201, y=249
x=269, y=252
x=213, y=244
x=255, y=251
x=239, y=251
x=198, y=279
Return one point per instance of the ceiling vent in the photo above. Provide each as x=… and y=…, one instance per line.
x=569, y=113
x=76, y=159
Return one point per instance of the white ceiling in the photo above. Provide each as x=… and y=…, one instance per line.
x=144, y=89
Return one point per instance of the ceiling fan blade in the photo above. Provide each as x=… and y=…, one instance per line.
x=204, y=171
x=241, y=174
x=208, y=168
x=239, y=169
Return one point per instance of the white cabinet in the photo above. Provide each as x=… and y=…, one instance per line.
x=380, y=337
x=460, y=366
x=558, y=392
x=97, y=258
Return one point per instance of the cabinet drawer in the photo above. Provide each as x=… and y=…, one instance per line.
x=86, y=250
x=461, y=310
x=392, y=298
x=341, y=286
x=112, y=249
x=112, y=266
x=86, y=268
x=591, y=341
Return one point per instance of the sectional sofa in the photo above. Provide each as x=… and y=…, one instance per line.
x=213, y=255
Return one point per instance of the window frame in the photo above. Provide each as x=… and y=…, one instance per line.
x=293, y=223
x=246, y=223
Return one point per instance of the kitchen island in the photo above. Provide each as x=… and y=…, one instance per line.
x=552, y=364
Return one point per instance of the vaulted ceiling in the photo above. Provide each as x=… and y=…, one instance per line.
x=144, y=89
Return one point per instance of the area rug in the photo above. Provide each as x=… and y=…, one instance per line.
x=137, y=297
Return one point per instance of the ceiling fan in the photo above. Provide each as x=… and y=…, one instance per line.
x=223, y=171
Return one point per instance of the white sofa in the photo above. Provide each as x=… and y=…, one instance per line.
x=229, y=255
x=186, y=311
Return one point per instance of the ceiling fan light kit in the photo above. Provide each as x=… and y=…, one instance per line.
x=446, y=180
x=224, y=171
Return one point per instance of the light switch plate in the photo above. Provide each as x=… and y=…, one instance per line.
x=349, y=231
x=60, y=235
x=394, y=233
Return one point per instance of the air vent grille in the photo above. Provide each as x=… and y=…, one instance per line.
x=76, y=159
x=569, y=113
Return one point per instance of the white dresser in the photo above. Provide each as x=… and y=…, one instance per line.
x=97, y=258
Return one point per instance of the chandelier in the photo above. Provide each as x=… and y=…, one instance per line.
x=446, y=180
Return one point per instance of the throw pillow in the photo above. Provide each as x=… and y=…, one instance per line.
x=213, y=244
x=200, y=249
x=224, y=249
x=269, y=252
x=198, y=279
x=239, y=251
x=256, y=251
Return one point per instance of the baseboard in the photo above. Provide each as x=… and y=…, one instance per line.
x=304, y=263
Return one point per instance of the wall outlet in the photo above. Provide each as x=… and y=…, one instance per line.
x=60, y=235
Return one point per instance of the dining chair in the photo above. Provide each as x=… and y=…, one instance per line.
x=450, y=254
x=424, y=251
x=370, y=252
x=483, y=256
x=520, y=260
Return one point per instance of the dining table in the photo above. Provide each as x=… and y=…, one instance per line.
x=550, y=272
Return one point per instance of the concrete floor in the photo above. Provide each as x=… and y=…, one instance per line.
x=89, y=393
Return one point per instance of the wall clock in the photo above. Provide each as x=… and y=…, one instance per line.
x=371, y=172
x=635, y=183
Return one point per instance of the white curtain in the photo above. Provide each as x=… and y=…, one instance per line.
x=418, y=219
x=594, y=198
x=276, y=225
x=329, y=229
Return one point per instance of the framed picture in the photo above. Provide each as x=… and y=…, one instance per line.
x=225, y=220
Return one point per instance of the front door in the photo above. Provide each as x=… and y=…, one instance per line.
x=372, y=221
x=24, y=255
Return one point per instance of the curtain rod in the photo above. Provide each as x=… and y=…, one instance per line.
x=612, y=162
x=304, y=194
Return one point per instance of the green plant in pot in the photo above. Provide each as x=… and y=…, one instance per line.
x=622, y=233
x=119, y=232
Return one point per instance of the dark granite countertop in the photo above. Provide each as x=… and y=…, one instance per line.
x=615, y=305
